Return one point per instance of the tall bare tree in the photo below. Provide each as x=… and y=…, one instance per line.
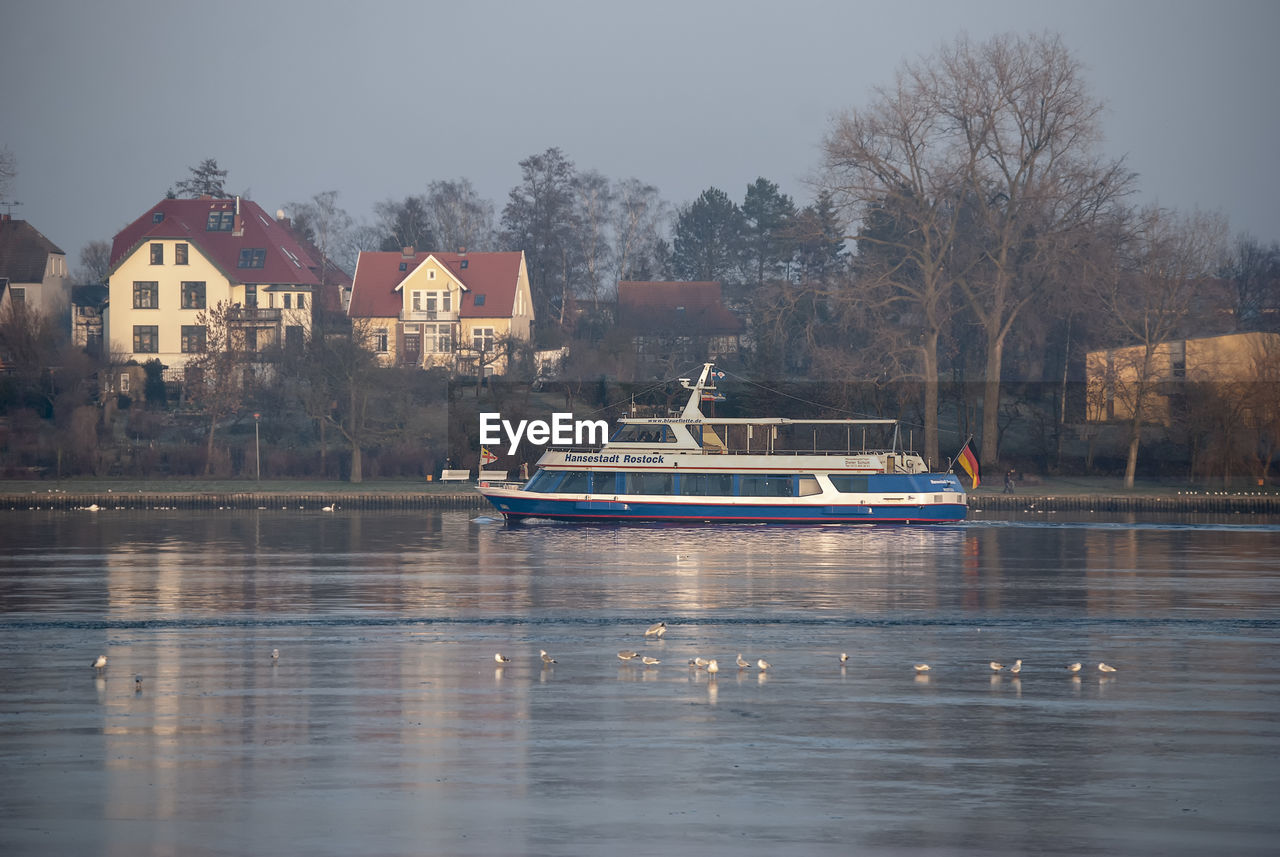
x=1023, y=110
x=1150, y=302
x=640, y=219
x=460, y=217
x=95, y=263
x=215, y=376
x=898, y=169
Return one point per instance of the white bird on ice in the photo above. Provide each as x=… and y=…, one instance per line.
x=547, y=659
x=1106, y=668
x=1075, y=668
x=627, y=655
x=712, y=666
x=657, y=629
x=1017, y=666
x=743, y=663
x=501, y=658
x=100, y=663
x=844, y=658
x=648, y=661
x=996, y=666
x=763, y=664
x=327, y=509
x=922, y=668
x=698, y=662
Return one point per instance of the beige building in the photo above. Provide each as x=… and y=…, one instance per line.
x=452, y=310
x=1116, y=376
x=184, y=257
x=33, y=270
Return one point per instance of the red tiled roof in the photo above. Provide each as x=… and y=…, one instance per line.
x=24, y=252
x=286, y=261
x=493, y=275
x=674, y=307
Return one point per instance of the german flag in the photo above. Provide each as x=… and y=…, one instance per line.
x=969, y=462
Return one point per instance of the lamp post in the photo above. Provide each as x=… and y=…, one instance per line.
x=257, y=456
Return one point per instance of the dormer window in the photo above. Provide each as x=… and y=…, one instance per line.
x=252, y=257
x=404, y=266
x=479, y=300
x=220, y=221
x=157, y=217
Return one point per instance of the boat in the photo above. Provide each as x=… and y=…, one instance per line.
x=688, y=467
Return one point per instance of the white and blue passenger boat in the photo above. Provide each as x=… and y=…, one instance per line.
x=693, y=468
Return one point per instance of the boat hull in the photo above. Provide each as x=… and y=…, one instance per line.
x=517, y=505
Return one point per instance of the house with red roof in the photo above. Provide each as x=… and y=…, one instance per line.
x=427, y=309
x=183, y=257
x=672, y=323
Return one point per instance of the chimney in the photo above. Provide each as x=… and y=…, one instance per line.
x=406, y=252
x=462, y=251
x=237, y=227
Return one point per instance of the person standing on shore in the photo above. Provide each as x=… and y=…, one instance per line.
x=1008, y=482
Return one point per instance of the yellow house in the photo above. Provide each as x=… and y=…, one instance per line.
x=429, y=309
x=185, y=256
x=1116, y=376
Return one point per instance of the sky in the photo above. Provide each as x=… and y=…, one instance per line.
x=106, y=105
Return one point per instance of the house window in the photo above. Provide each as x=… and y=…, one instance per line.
x=302, y=301
x=252, y=257
x=124, y=382
x=415, y=300
x=288, y=301
x=179, y=254
x=193, y=338
x=220, y=221
x=479, y=300
x=157, y=217
x=193, y=295
x=380, y=340
x=404, y=266
x=431, y=275
x=146, y=339
x=18, y=295
x=157, y=254
x=482, y=339
x=251, y=294
x=146, y=295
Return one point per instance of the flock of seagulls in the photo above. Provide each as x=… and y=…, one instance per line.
x=1015, y=670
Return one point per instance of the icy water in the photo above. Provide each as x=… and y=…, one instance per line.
x=386, y=726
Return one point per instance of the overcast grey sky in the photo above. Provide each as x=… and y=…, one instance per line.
x=105, y=105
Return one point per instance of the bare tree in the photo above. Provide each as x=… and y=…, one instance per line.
x=459, y=216
x=215, y=376
x=8, y=171
x=640, y=218
x=898, y=168
x=1022, y=108
x=1149, y=303
x=593, y=214
x=325, y=224
x=95, y=263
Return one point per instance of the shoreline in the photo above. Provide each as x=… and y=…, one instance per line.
x=412, y=497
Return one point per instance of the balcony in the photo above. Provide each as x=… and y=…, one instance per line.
x=253, y=315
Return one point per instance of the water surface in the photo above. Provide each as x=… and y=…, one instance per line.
x=386, y=727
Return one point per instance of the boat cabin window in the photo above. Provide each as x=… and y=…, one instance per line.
x=706, y=484
x=807, y=486
x=544, y=481
x=632, y=433
x=576, y=482
x=756, y=485
x=850, y=484
x=648, y=483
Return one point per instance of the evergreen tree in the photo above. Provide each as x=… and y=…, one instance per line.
x=708, y=239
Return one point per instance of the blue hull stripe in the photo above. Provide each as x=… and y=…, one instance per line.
x=607, y=510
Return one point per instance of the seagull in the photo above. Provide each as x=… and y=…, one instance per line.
x=93, y=507
x=699, y=663
x=657, y=629
x=547, y=659
x=627, y=655
x=1106, y=668
x=922, y=668
x=275, y=655
x=763, y=664
x=1075, y=668
x=743, y=663
x=100, y=663
x=712, y=666
x=1017, y=666
x=137, y=684
x=503, y=659
x=648, y=661
x=996, y=666
x=844, y=658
